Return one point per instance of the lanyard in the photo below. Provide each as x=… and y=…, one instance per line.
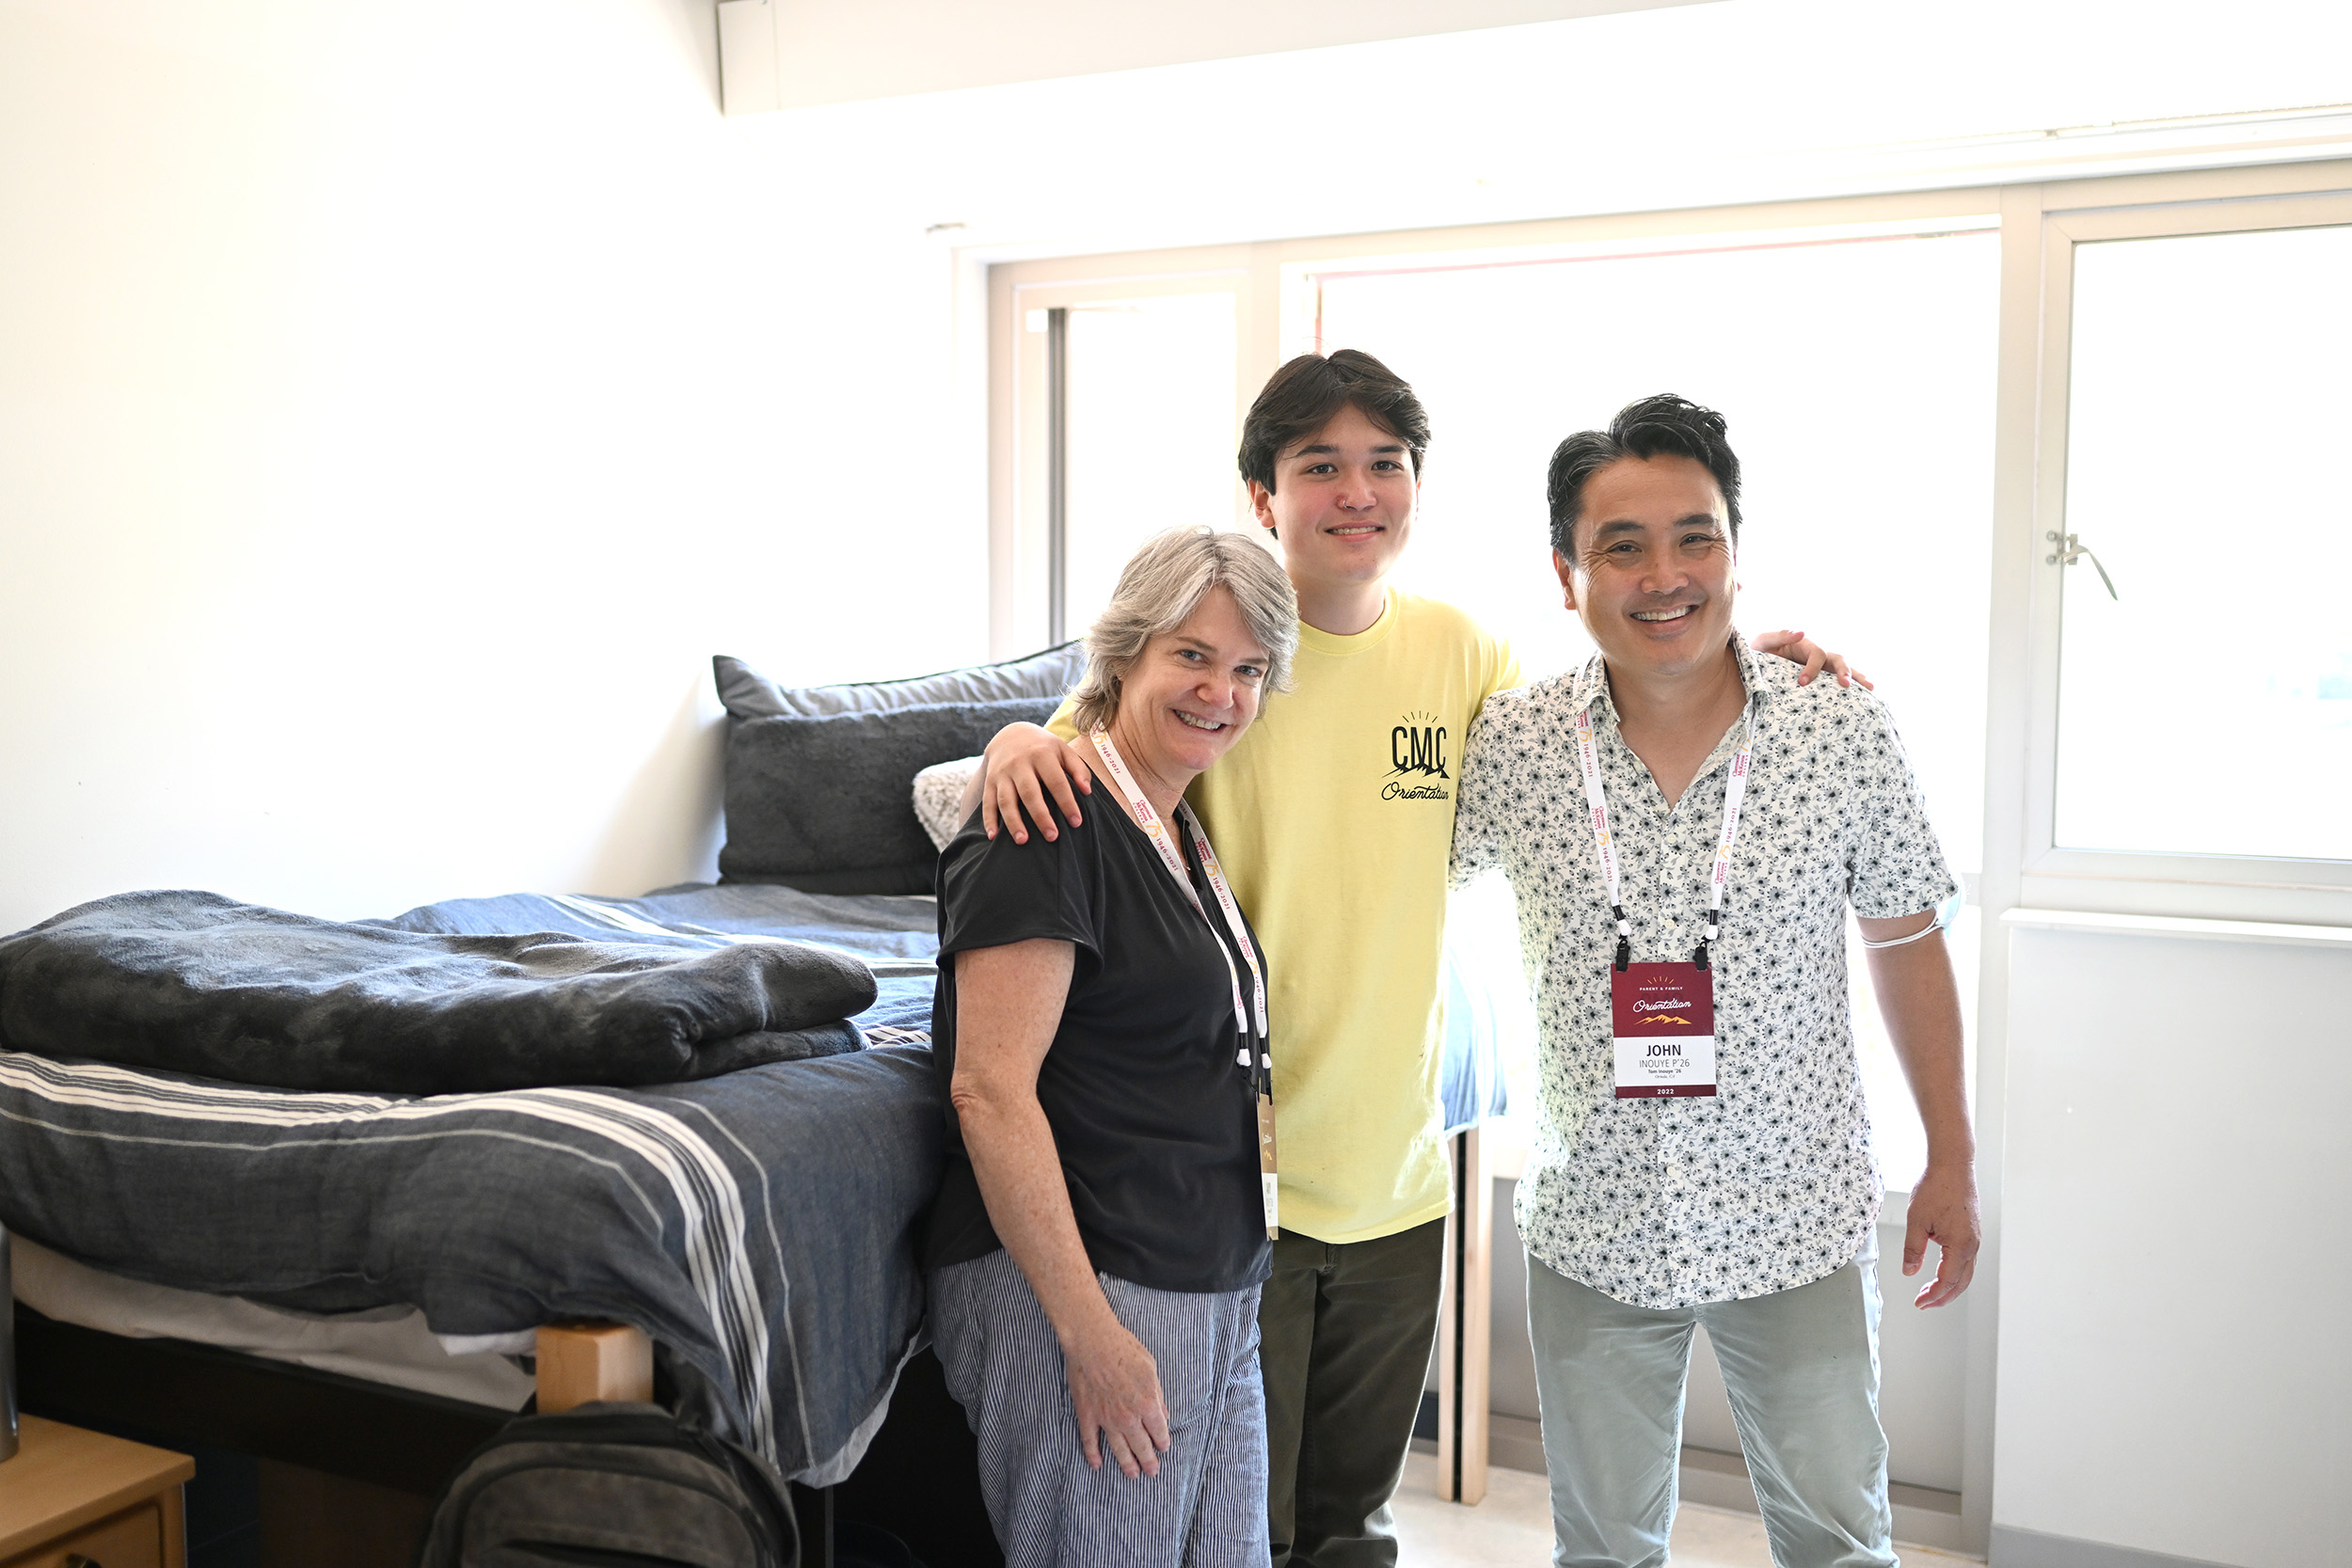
x=1149, y=820
x=1734, y=789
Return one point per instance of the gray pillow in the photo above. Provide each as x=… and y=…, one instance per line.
x=749, y=694
x=825, y=802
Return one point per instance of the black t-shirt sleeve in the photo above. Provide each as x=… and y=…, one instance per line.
x=994, y=892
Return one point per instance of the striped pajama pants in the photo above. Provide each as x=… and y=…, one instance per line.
x=1205, y=1509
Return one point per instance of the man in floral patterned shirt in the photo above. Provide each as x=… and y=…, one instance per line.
x=1705, y=1149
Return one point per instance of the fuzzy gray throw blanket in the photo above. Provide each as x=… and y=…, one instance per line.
x=196, y=983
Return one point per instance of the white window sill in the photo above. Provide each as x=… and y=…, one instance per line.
x=2174, y=926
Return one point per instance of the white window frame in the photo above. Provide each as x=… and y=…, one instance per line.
x=2040, y=225
x=2278, y=889
x=1274, y=281
x=1019, y=428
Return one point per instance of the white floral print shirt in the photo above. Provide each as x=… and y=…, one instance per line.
x=1769, y=1183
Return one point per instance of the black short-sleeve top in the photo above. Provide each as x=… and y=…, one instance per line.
x=1153, y=1116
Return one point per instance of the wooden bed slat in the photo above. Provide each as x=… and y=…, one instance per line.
x=583, y=1362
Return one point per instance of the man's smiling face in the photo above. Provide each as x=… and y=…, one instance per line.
x=1652, y=576
x=1342, y=502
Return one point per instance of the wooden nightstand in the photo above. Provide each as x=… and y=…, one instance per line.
x=71, y=1498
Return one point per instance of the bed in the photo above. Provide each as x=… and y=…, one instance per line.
x=375, y=1263
x=759, y=1226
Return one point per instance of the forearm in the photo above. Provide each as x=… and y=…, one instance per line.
x=1920, y=1002
x=1011, y=1146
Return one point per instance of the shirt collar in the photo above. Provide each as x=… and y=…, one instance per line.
x=1591, y=688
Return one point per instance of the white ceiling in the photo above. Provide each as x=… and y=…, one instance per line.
x=841, y=51
x=1740, y=100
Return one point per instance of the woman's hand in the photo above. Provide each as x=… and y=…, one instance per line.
x=1021, y=766
x=1114, y=1389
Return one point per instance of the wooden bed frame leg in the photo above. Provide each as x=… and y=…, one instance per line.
x=583, y=1362
x=1464, y=1316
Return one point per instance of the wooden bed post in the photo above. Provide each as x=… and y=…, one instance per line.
x=1465, y=1314
x=582, y=1362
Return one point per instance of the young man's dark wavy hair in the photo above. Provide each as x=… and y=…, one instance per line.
x=1654, y=426
x=1305, y=394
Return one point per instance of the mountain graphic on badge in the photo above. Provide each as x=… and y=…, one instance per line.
x=1669, y=1017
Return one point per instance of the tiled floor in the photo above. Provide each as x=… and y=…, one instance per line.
x=1512, y=1528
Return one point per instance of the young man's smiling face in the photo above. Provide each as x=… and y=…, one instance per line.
x=1342, y=502
x=1652, y=578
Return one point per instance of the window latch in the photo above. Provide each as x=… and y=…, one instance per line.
x=2070, y=550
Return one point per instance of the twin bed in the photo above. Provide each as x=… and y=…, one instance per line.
x=378, y=1264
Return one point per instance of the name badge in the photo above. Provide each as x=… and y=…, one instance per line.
x=1663, y=1020
x=1268, y=1185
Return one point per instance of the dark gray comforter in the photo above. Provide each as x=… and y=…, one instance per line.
x=193, y=982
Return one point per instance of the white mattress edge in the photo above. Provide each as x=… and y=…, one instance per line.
x=386, y=1345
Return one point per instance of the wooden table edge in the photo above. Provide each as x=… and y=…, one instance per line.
x=168, y=1470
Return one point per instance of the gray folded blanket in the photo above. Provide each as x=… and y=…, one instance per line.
x=193, y=982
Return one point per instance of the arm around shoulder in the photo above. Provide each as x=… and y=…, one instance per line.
x=1022, y=767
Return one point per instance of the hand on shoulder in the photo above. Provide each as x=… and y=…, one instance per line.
x=1797, y=648
x=1024, y=767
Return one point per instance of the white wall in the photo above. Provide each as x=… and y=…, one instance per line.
x=2172, y=1374
x=399, y=403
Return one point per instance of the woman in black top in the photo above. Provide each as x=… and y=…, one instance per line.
x=1100, y=1234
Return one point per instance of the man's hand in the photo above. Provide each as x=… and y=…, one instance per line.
x=1792, y=646
x=1024, y=764
x=1943, y=1211
x=1114, y=1389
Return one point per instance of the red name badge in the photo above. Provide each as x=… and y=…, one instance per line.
x=1662, y=1016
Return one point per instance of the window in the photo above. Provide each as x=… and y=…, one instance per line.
x=1116, y=413
x=1149, y=433
x=2191, y=669
x=1857, y=376
x=2205, y=664
x=1856, y=363
x=1922, y=393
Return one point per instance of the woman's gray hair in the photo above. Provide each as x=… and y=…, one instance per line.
x=1160, y=587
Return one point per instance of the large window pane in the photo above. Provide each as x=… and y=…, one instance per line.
x=2207, y=708
x=1858, y=379
x=1152, y=432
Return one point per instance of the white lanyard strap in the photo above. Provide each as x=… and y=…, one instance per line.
x=1172, y=857
x=1735, y=790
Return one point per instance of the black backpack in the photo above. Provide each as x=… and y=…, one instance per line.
x=614, y=1485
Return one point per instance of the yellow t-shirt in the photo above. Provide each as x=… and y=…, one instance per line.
x=1333, y=816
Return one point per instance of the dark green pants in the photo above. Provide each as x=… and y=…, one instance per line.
x=1344, y=1332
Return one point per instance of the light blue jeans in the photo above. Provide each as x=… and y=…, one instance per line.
x=1801, y=1368
x=1205, y=1509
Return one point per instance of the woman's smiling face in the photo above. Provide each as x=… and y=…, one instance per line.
x=1190, y=693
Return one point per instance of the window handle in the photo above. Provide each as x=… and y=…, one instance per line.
x=2070, y=550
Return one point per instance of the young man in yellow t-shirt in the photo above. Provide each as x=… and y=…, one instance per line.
x=1334, y=818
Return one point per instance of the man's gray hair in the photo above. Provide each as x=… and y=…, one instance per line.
x=1160, y=587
